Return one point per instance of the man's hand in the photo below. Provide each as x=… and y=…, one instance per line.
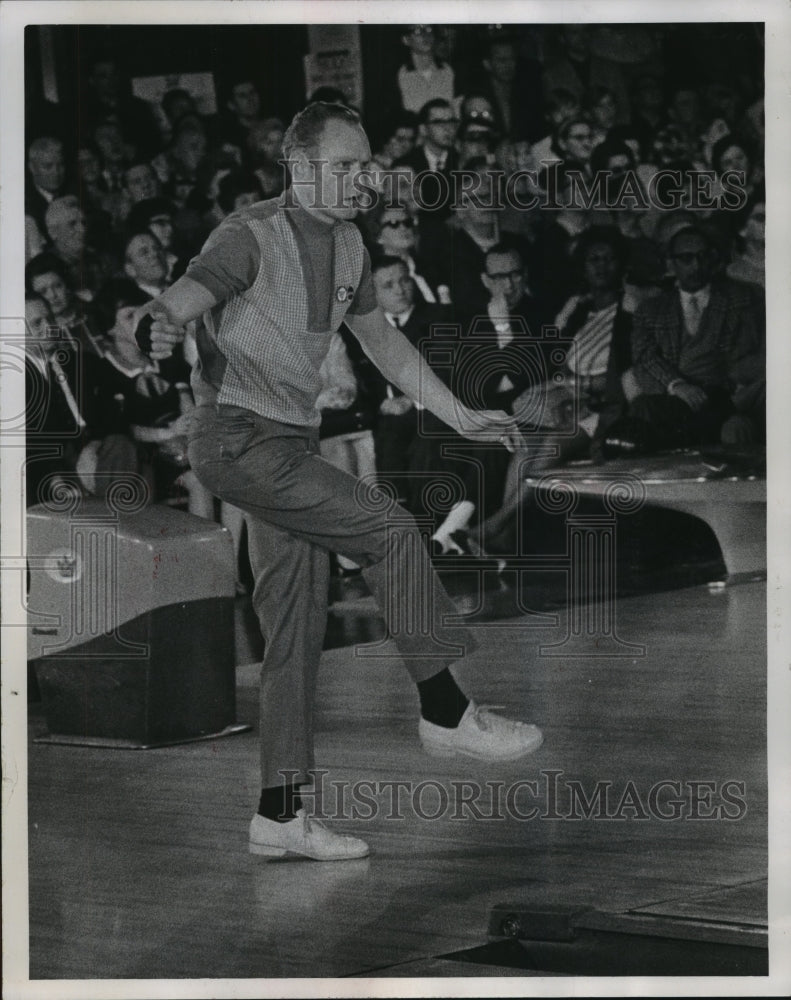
x=164, y=335
x=493, y=426
x=692, y=395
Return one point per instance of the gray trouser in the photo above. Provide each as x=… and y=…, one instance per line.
x=299, y=509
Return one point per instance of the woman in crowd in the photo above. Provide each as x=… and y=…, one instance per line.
x=395, y=232
x=734, y=161
x=46, y=275
x=572, y=416
x=749, y=262
x=573, y=143
x=602, y=111
x=148, y=400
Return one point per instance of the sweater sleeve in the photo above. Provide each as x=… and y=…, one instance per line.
x=229, y=263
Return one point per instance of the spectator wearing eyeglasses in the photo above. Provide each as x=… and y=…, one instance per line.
x=397, y=234
x=559, y=106
x=695, y=349
x=573, y=142
x=603, y=112
x=423, y=77
x=494, y=361
x=438, y=125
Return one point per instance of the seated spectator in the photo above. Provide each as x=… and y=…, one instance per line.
x=242, y=109
x=396, y=233
x=513, y=88
x=178, y=166
x=396, y=422
x=423, y=77
x=63, y=422
x=749, y=263
x=399, y=137
x=561, y=228
x=476, y=141
x=156, y=216
x=46, y=178
x=237, y=190
x=645, y=264
x=573, y=66
x=459, y=245
x=89, y=175
x=490, y=364
x=478, y=108
x=114, y=154
x=573, y=144
x=733, y=160
x=693, y=348
x=47, y=276
x=570, y=418
x=627, y=135
x=736, y=154
x=521, y=212
x=602, y=112
x=147, y=400
x=264, y=153
x=437, y=153
x=87, y=269
x=684, y=113
x=176, y=104
x=559, y=106
x=145, y=263
x=140, y=182
x=648, y=112
x=108, y=98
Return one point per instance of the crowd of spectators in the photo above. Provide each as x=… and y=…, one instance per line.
x=482, y=233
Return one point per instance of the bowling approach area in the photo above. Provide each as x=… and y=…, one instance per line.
x=633, y=842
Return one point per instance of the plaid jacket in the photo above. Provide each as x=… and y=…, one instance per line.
x=718, y=356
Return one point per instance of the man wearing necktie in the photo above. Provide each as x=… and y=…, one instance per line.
x=693, y=347
x=62, y=410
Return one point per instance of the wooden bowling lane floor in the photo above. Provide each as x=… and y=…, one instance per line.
x=139, y=865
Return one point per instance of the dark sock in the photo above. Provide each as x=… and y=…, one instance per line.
x=280, y=803
x=441, y=700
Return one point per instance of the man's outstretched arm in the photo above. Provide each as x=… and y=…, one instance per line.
x=404, y=366
x=184, y=301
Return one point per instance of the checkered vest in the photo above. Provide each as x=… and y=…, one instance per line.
x=271, y=358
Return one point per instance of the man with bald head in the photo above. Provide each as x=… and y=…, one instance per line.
x=46, y=177
x=273, y=284
x=65, y=226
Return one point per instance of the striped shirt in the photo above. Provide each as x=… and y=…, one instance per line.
x=592, y=343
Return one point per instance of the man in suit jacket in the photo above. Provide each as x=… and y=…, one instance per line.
x=438, y=125
x=62, y=409
x=396, y=424
x=693, y=347
x=45, y=180
x=513, y=85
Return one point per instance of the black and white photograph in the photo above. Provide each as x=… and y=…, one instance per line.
x=395, y=519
